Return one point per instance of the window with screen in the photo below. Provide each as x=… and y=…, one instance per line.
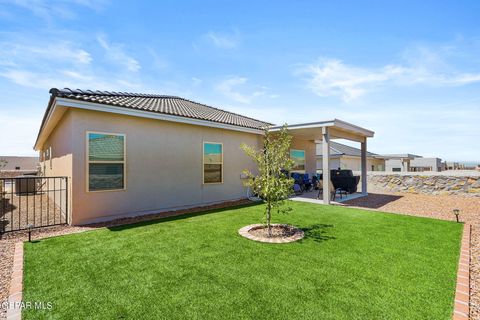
x=212, y=162
x=106, y=161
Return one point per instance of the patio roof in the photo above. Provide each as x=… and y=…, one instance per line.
x=324, y=131
x=337, y=129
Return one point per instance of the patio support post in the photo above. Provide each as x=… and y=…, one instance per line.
x=326, y=165
x=364, y=166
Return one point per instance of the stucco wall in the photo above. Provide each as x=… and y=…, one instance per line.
x=60, y=165
x=352, y=163
x=334, y=163
x=163, y=166
x=390, y=164
x=431, y=164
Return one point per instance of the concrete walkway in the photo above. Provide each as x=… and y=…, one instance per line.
x=311, y=197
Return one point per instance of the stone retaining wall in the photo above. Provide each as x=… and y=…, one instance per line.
x=428, y=184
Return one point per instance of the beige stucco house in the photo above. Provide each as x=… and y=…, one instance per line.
x=129, y=154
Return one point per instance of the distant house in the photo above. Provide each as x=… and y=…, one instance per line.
x=421, y=164
x=128, y=154
x=451, y=165
x=10, y=163
x=347, y=157
x=407, y=162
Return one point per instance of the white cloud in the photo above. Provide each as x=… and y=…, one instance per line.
x=223, y=40
x=27, y=50
x=66, y=78
x=116, y=54
x=196, y=81
x=332, y=77
x=237, y=89
x=228, y=88
x=51, y=10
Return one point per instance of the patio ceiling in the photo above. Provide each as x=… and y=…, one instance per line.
x=337, y=129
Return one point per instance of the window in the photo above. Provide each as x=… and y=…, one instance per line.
x=212, y=162
x=396, y=169
x=298, y=157
x=106, y=161
x=17, y=168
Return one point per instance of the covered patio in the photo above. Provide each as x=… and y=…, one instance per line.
x=307, y=135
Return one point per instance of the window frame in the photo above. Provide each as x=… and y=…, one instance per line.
x=203, y=163
x=304, y=159
x=87, y=161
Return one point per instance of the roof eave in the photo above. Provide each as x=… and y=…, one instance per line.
x=58, y=102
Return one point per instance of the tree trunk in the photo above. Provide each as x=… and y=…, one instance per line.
x=269, y=226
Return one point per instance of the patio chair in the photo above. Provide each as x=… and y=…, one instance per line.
x=333, y=191
x=315, y=182
x=307, y=183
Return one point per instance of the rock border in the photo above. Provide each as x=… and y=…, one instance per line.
x=244, y=232
x=461, y=309
x=14, y=311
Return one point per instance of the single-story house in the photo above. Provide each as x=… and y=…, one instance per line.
x=19, y=163
x=451, y=165
x=348, y=157
x=397, y=162
x=129, y=154
x=410, y=163
x=421, y=164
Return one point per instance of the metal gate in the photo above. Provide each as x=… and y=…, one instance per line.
x=33, y=202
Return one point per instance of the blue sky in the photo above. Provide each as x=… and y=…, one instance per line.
x=410, y=71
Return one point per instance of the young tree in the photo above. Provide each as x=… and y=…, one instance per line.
x=271, y=184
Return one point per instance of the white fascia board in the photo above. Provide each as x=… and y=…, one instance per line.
x=53, y=116
x=354, y=128
x=329, y=123
x=320, y=124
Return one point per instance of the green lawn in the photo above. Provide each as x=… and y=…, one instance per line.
x=352, y=264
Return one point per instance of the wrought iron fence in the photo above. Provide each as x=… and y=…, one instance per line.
x=32, y=202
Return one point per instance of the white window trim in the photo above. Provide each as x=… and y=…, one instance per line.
x=203, y=162
x=304, y=159
x=87, y=162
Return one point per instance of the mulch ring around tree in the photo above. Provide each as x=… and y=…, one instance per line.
x=281, y=233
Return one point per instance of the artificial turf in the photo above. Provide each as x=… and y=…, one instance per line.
x=352, y=264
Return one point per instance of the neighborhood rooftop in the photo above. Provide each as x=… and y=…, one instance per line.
x=338, y=149
x=164, y=104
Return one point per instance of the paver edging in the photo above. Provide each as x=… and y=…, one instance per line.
x=14, y=311
x=461, y=309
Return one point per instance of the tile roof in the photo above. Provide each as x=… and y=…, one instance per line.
x=163, y=104
x=338, y=149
